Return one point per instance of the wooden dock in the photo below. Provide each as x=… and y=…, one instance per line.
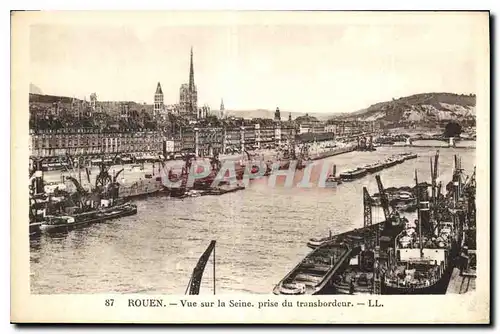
x=460, y=284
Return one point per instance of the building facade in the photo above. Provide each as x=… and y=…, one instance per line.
x=314, y=127
x=91, y=142
x=203, y=141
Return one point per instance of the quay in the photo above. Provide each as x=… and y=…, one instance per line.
x=331, y=153
x=461, y=283
x=431, y=146
x=391, y=257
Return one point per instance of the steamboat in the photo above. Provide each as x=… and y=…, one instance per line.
x=69, y=222
x=423, y=261
x=361, y=273
x=55, y=209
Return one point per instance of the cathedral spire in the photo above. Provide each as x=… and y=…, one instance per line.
x=191, y=73
x=158, y=89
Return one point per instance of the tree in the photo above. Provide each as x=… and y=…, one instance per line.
x=452, y=129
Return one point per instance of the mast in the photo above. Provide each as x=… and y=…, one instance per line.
x=214, y=268
x=435, y=192
x=456, y=181
x=433, y=182
x=419, y=217
x=79, y=171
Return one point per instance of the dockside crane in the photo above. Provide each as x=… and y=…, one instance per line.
x=383, y=198
x=194, y=284
x=367, y=220
x=367, y=208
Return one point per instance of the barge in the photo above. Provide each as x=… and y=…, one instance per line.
x=375, y=167
x=70, y=222
x=353, y=174
x=313, y=274
x=318, y=272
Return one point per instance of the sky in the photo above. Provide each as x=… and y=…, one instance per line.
x=327, y=67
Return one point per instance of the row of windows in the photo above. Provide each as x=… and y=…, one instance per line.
x=136, y=142
x=62, y=151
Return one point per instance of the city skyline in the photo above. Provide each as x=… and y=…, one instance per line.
x=301, y=68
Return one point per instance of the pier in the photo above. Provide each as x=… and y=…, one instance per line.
x=461, y=283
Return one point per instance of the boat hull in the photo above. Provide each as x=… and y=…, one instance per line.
x=316, y=271
x=331, y=184
x=353, y=176
x=100, y=218
x=374, y=169
x=438, y=288
x=344, y=289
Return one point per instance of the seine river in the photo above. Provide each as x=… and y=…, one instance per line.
x=261, y=233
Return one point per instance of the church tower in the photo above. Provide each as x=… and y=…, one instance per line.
x=158, y=101
x=277, y=116
x=188, y=94
x=221, y=108
x=193, y=94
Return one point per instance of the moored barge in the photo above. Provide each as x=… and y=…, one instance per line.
x=353, y=174
x=375, y=167
x=313, y=274
x=70, y=222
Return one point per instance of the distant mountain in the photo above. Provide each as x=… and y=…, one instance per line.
x=35, y=89
x=264, y=113
x=419, y=108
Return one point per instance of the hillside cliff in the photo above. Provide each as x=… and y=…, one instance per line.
x=419, y=108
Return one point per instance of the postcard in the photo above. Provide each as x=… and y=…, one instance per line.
x=305, y=167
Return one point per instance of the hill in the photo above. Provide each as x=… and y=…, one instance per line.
x=418, y=109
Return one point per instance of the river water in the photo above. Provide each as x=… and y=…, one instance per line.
x=261, y=233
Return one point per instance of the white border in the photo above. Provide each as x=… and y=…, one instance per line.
x=186, y=4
